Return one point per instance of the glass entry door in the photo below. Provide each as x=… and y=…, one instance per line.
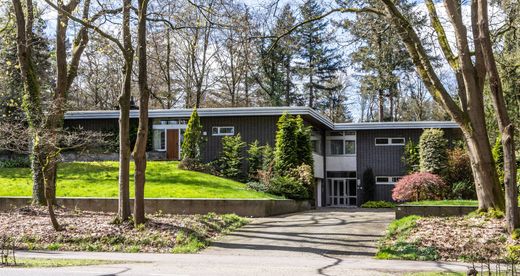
x=341, y=192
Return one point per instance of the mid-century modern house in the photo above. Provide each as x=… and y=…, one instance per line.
x=342, y=151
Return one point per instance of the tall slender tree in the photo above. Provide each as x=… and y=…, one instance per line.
x=319, y=58
x=142, y=132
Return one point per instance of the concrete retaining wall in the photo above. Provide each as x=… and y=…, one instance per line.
x=89, y=157
x=431, y=211
x=242, y=207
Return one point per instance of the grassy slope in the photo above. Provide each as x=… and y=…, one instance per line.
x=99, y=179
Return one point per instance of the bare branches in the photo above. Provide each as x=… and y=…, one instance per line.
x=320, y=17
x=16, y=137
x=88, y=25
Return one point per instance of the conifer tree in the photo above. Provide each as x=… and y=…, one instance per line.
x=319, y=60
x=254, y=160
x=230, y=160
x=285, y=154
x=303, y=143
x=191, y=146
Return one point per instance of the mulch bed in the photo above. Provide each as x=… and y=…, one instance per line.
x=464, y=238
x=31, y=229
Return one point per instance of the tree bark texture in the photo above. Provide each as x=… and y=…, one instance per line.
x=124, y=117
x=142, y=133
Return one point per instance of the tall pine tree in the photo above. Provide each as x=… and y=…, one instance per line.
x=277, y=58
x=319, y=60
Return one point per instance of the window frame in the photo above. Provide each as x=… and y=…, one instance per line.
x=219, y=133
x=391, y=180
x=161, y=130
x=389, y=141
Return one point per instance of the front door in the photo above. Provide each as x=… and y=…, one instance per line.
x=341, y=192
x=172, y=144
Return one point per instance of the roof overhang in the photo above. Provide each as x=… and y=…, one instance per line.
x=306, y=112
x=205, y=112
x=396, y=125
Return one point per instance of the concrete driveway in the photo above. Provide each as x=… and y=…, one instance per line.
x=318, y=242
x=351, y=232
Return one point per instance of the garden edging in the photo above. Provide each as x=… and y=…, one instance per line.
x=185, y=206
x=404, y=210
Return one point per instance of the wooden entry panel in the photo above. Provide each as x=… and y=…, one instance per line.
x=172, y=144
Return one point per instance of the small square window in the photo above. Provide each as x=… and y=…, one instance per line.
x=350, y=147
x=336, y=147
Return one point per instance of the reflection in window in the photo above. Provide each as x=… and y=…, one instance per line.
x=159, y=139
x=336, y=147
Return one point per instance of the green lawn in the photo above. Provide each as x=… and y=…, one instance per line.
x=99, y=179
x=44, y=262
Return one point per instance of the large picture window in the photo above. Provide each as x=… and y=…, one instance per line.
x=159, y=139
x=342, y=147
x=223, y=131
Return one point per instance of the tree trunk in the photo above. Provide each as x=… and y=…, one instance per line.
x=49, y=178
x=142, y=133
x=507, y=129
x=38, y=194
x=488, y=190
x=124, y=118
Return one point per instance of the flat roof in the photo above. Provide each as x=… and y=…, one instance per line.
x=396, y=125
x=261, y=111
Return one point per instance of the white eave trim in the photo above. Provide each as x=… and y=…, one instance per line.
x=396, y=125
x=261, y=111
x=204, y=112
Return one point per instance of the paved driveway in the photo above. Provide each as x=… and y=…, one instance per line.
x=319, y=242
x=352, y=232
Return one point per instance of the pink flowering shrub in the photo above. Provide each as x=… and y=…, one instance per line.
x=420, y=186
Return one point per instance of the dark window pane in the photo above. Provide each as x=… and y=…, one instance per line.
x=352, y=187
x=352, y=201
x=397, y=140
x=381, y=141
x=350, y=147
x=381, y=179
x=336, y=147
x=342, y=174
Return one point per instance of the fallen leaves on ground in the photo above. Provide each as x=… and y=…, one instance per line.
x=31, y=229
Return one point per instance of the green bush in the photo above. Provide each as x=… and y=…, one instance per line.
x=433, y=152
x=498, y=155
x=459, y=166
x=463, y=190
x=230, y=160
x=411, y=157
x=288, y=187
x=267, y=157
x=303, y=143
x=191, y=146
x=285, y=153
x=20, y=162
x=254, y=160
x=378, y=204
x=256, y=186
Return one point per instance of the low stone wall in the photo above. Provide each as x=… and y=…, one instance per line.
x=432, y=211
x=241, y=207
x=89, y=157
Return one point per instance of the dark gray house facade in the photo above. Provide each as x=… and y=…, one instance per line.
x=342, y=152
